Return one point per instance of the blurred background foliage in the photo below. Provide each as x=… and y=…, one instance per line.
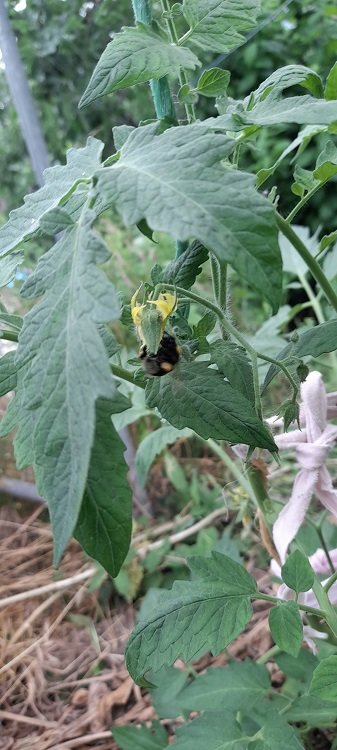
x=60, y=43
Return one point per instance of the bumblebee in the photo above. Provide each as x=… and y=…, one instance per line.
x=164, y=360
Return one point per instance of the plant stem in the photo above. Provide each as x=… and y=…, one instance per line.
x=273, y=651
x=215, y=271
x=323, y=543
x=160, y=90
x=330, y=614
x=120, y=372
x=310, y=261
x=303, y=201
x=183, y=80
x=9, y=336
x=222, y=299
x=330, y=582
x=304, y=607
x=312, y=298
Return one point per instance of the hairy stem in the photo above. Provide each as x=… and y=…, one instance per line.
x=304, y=607
x=160, y=90
x=303, y=201
x=330, y=582
x=309, y=260
x=183, y=80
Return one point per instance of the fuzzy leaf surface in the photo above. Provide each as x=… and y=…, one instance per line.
x=104, y=523
x=202, y=615
x=290, y=75
x=141, y=738
x=318, y=340
x=324, y=680
x=197, y=397
x=331, y=83
x=217, y=25
x=214, y=731
x=184, y=270
x=63, y=368
x=213, y=82
x=286, y=627
x=176, y=181
x=135, y=55
x=8, y=266
x=303, y=110
x=276, y=733
x=297, y=572
x=234, y=364
x=239, y=686
x=59, y=182
x=8, y=373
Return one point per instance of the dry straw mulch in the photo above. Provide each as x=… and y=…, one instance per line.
x=63, y=683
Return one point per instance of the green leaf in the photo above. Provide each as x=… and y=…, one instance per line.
x=63, y=368
x=297, y=572
x=196, y=396
x=136, y=55
x=326, y=165
x=8, y=373
x=8, y=266
x=214, y=731
x=324, y=680
x=304, y=181
x=195, y=617
x=213, y=82
x=184, y=270
x=237, y=687
x=166, y=695
x=120, y=135
x=276, y=734
x=331, y=83
x=302, y=140
x=60, y=181
x=310, y=710
x=141, y=738
x=152, y=445
x=171, y=180
x=205, y=325
x=303, y=110
x=186, y=95
x=325, y=241
x=216, y=24
x=105, y=520
x=286, y=627
x=290, y=75
x=12, y=322
x=55, y=221
x=318, y=340
x=299, y=668
x=233, y=362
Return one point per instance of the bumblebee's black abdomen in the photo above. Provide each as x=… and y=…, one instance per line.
x=164, y=360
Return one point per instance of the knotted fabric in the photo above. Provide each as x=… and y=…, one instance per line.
x=312, y=445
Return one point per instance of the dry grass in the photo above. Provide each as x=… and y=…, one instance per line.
x=63, y=683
